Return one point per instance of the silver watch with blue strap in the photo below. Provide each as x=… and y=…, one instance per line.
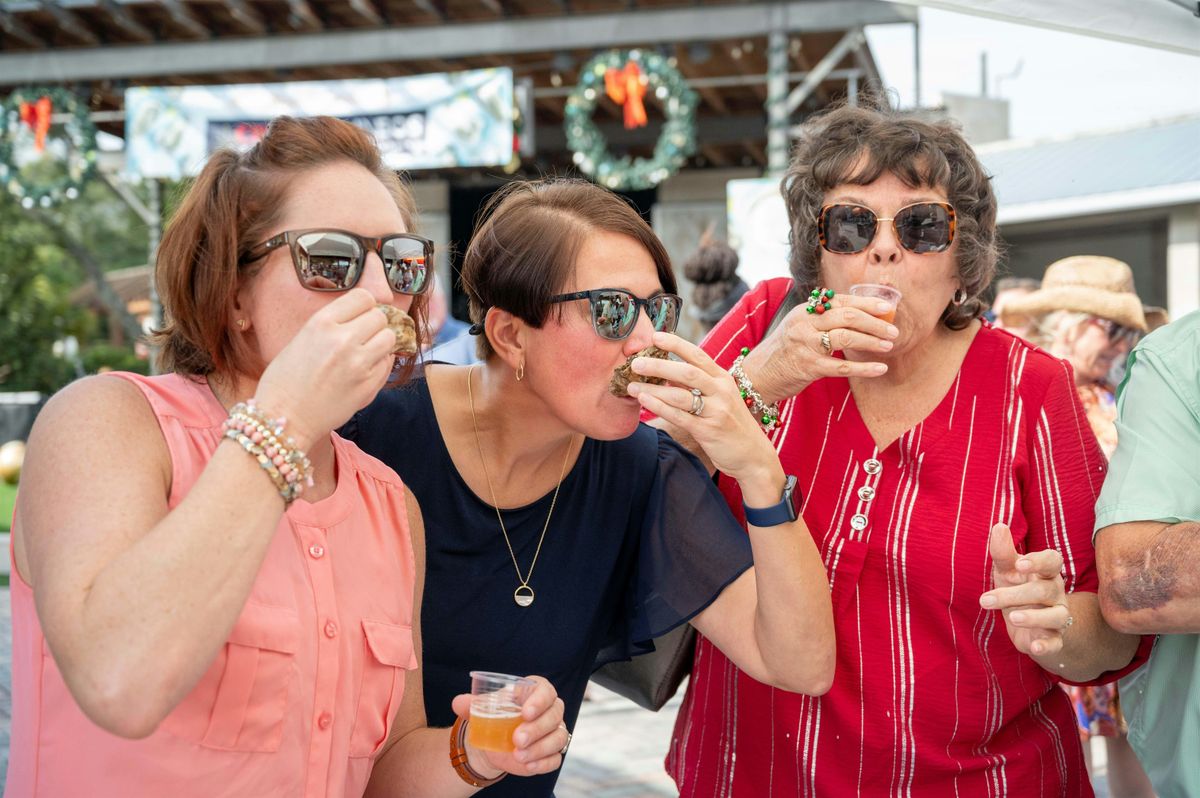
x=783, y=513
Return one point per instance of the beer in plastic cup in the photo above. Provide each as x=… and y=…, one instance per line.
x=884, y=292
x=496, y=700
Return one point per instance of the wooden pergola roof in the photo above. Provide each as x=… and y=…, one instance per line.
x=100, y=47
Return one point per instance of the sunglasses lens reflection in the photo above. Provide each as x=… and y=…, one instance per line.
x=848, y=228
x=404, y=259
x=924, y=228
x=664, y=310
x=328, y=261
x=614, y=314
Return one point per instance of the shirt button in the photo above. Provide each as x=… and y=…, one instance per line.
x=866, y=493
x=316, y=551
x=858, y=522
x=325, y=721
x=872, y=466
x=330, y=629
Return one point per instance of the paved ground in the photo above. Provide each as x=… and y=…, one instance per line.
x=617, y=751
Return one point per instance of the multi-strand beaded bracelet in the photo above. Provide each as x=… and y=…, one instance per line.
x=765, y=414
x=261, y=436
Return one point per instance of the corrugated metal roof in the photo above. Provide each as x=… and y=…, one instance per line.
x=1161, y=154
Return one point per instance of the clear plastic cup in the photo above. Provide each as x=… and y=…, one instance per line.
x=885, y=292
x=496, y=700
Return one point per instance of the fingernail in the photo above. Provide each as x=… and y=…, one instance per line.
x=522, y=740
x=1037, y=648
x=893, y=331
x=634, y=388
x=878, y=368
x=636, y=365
x=988, y=601
x=1022, y=564
x=1017, y=617
x=886, y=345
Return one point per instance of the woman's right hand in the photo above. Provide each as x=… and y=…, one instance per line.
x=332, y=368
x=792, y=357
x=540, y=740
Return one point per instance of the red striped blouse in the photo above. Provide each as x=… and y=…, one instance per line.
x=930, y=697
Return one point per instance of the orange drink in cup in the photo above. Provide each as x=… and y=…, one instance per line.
x=885, y=292
x=496, y=700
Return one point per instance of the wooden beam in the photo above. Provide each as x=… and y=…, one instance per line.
x=125, y=21
x=367, y=10
x=69, y=22
x=246, y=16
x=185, y=18
x=435, y=8
x=755, y=151
x=497, y=7
x=16, y=29
x=302, y=12
x=715, y=156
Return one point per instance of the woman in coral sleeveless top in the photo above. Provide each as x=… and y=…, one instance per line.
x=212, y=594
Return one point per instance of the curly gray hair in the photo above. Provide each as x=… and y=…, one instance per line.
x=857, y=145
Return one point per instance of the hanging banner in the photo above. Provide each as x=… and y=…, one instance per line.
x=433, y=121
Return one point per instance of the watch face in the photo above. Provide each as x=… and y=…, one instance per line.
x=790, y=497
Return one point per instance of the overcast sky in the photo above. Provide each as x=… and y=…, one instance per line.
x=1057, y=83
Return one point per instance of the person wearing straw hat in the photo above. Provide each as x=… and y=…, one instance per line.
x=1090, y=316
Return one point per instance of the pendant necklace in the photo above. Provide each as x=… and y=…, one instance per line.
x=523, y=595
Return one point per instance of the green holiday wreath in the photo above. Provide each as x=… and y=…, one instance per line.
x=47, y=145
x=619, y=73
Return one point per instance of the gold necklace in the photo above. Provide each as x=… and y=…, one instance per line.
x=523, y=595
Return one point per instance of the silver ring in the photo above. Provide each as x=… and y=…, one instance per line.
x=563, y=751
x=1070, y=620
x=826, y=343
x=697, y=402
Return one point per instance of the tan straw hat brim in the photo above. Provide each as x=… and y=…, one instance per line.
x=1123, y=308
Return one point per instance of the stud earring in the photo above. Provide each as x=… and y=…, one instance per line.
x=241, y=323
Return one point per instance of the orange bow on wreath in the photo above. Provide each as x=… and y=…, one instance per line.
x=37, y=116
x=627, y=87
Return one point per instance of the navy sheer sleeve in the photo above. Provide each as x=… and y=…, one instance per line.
x=690, y=548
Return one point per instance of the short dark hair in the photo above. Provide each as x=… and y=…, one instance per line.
x=525, y=248
x=225, y=213
x=857, y=144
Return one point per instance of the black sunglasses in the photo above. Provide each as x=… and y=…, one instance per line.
x=1115, y=331
x=333, y=260
x=615, y=312
x=920, y=228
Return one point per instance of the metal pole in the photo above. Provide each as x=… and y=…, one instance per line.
x=777, y=94
x=917, y=64
x=155, y=225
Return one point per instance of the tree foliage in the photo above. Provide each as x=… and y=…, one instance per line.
x=37, y=278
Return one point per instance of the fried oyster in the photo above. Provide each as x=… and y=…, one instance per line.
x=625, y=375
x=402, y=325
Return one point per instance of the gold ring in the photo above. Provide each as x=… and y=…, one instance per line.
x=826, y=343
x=563, y=751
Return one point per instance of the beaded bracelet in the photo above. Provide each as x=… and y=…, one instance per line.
x=765, y=414
x=288, y=466
x=458, y=757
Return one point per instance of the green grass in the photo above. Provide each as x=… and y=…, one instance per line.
x=8, y=495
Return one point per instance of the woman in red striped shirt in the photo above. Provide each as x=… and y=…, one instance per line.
x=948, y=472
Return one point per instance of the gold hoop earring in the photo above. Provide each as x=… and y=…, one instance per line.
x=521, y=371
x=241, y=323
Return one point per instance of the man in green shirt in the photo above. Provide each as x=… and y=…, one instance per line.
x=1148, y=551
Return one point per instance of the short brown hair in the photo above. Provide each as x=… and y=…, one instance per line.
x=226, y=212
x=526, y=245
x=856, y=145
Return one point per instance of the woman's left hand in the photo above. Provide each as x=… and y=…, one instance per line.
x=540, y=740
x=1029, y=589
x=722, y=425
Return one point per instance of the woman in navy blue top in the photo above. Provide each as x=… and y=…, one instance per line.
x=607, y=532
